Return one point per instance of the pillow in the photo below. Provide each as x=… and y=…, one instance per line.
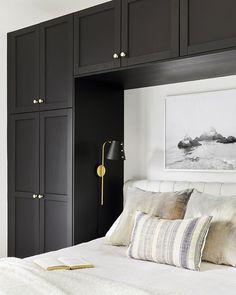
x=165, y=205
x=113, y=228
x=221, y=241
x=174, y=242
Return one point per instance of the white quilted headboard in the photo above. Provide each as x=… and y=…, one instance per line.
x=214, y=188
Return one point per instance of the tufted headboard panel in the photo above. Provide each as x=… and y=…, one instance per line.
x=214, y=188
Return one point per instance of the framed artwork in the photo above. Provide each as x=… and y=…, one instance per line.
x=200, y=131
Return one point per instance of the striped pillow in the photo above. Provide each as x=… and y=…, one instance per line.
x=174, y=242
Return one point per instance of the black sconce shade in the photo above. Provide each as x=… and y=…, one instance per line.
x=116, y=151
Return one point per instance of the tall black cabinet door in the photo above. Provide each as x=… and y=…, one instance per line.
x=150, y=30
x=23, y=70
x=55, y=179
x=23, y=159
x=56, y=63
x=97, y=38
x=207, y=25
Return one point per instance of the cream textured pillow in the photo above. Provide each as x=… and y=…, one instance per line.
x=173, y=242
x=164, y=205
x=220, y=245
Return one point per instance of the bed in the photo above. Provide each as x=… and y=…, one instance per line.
x=114, y=272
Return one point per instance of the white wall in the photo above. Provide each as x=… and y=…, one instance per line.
x=16, y=14
x=144, y=130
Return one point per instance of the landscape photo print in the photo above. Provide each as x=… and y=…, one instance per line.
x=200, y=131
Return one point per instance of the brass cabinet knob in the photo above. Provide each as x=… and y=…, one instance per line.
x=40, y=196
x=123, y=54
x=35, y=196
x=41, y=100
x=115, y=56
x=35, y=101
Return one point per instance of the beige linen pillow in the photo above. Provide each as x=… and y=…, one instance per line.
x=164, y=205
x=220, y=245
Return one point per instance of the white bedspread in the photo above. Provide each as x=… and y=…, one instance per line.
x=114, y=273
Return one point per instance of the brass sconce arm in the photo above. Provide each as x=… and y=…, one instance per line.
x=101, y=170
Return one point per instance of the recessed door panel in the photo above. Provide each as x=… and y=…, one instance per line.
x=97, y=38
x=54, y=227
x=56, y=67
x=207, y=25
x=23, y=159
x=23, y=78
x=56, y=178
x=150, y=30
x=26, y=227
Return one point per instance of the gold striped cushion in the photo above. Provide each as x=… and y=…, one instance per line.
x=173, y=242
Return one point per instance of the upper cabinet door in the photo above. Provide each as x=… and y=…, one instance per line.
x=56, y=63
x=23, y=70
x=150, y=30
x=97, y=38
x=207, y=25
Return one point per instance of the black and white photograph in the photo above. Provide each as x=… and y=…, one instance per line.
x=200, y=131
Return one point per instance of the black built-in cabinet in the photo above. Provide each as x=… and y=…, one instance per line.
x=66, y=81
x=128, y=32
x=40, y=191
x=41, y=66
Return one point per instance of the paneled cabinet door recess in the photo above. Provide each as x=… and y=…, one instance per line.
x=55, y=180
x=56, y=63
x=41, y=66
x=23, y=212
x=207, y=25
x=23, y=70
x=97, y=38
x=150, y=30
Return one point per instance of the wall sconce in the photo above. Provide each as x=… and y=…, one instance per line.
x=116, y=152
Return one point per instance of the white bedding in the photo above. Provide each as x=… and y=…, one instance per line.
x=114, y=274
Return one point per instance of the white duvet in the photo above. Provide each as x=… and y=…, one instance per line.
x=114, y=274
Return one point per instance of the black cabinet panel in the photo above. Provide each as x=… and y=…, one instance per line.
x=23, y=160
x=97, y=38
x=56, y=177
x=56, y=63
x=207, y=25
x=150, y=30
x=26, y=227
x=40, y=60
x=96, y=101
x=54, y=224
x=23, y=71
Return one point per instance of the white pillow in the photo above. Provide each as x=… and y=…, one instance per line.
x=113, y=227
x=130, y=194
x=220, y=245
